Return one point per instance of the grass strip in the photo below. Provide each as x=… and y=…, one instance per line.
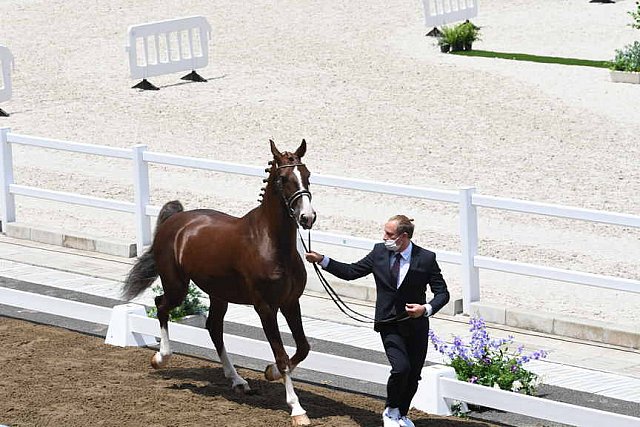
x=534, y=58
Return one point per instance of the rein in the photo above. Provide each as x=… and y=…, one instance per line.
x=344, y=308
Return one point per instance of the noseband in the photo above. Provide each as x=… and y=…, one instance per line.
x=295, y=196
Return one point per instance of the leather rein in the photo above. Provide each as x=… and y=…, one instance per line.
x=344, y=308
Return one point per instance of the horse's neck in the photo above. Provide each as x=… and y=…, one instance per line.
x=274, y=217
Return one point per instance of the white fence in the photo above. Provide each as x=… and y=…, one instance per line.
x=440, y=387
x=467, y=201
x=6, y=66
x=170, y=46
x=441, y=12
x=129, y=326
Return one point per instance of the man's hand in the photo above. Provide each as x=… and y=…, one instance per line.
x=415, y=310
x=313, y=256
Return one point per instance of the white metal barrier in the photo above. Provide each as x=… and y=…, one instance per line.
x=441, y=12
x=164, y=47
x=466, y=199
x=6, y=66
x=439, y=387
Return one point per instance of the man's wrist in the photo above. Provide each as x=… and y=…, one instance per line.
x=428, y=310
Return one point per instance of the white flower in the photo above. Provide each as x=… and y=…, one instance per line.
x=517, y=385
x=497, y=386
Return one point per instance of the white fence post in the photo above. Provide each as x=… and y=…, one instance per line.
x=7, y=200
x=469, y=241
x=120, y=333
x=428, y=398
x=6, y=64
x=141, y=198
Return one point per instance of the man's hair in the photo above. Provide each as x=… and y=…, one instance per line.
x=405, y=224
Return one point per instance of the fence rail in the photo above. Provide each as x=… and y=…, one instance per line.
x=441, y=387
x=467, y=201
x=6, y=66
x=441, y=12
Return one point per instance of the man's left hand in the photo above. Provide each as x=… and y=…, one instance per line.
x=415, y=310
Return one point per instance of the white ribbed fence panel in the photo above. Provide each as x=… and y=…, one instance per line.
x=170, y=46
x=441, y=12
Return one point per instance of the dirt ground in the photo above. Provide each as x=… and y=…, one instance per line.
x=52, y=376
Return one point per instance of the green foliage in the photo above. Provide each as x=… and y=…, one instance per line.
x=628, y=58
x=487, y=361
x=635, y=14
x=536, y=58
x=460, y=36
x=190, y=305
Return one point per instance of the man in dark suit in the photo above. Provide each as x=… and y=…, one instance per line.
x=401, y=271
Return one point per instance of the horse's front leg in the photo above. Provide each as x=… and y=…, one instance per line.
x=270, y=326
x=293, y=316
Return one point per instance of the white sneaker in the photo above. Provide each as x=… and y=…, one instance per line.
x=391, y=417
x=405, y=422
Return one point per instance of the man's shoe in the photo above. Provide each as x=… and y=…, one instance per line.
x=391, y=417
x=405, y=422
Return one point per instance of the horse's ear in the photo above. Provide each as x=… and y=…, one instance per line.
x=302, y=149
x=274, y=150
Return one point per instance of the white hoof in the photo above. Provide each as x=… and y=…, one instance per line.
x=300, y=420
x=158, y=361
x=242, y=388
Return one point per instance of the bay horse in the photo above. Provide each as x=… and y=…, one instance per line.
x=249, y=260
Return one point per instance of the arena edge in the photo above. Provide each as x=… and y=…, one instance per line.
x=584, y=329
x=625, y=76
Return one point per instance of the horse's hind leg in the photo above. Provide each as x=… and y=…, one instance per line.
x=175, y=289
x=215, y=324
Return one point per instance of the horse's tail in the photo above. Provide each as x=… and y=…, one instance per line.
x=144, y=271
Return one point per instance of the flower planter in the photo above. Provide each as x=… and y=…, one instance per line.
x=625, y=77
x=468, y=46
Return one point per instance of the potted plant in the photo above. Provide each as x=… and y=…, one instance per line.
x=625, y=67
x=459, y=37
x=468, y=33
x=192, y=311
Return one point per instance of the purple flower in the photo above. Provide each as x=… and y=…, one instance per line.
x=473, y=379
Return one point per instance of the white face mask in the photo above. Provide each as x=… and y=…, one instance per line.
x=392, y=244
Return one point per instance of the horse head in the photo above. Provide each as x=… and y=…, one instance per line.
x=291, y=178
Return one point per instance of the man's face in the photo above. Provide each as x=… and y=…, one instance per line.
x=391, y=231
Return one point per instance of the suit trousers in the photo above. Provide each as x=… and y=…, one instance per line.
x=405, y=344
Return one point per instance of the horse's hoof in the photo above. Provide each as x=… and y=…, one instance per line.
x=271, y=373
x=159, y=361
x=242, y=389
x=300, y=420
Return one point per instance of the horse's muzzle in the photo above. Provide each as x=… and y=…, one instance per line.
x=307, y=220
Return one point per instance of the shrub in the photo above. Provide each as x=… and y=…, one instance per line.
x=460, y=36
x=190, y=305
x=635, y=14
x=487, y=361
x=628, y=58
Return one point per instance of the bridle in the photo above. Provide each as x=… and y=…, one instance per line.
x=289, y=201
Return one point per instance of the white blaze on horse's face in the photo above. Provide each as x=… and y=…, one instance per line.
x=303, y=211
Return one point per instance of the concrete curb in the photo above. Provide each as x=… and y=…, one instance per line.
x=56, y=237
x=584, y=329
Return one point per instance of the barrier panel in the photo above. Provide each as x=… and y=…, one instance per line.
x=165, y=47
x=442, y=12
x=6, y=65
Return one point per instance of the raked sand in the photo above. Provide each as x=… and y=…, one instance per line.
x=376, y=100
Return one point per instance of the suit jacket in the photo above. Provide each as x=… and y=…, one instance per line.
x=390, y=300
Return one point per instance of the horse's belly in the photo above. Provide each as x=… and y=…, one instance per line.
x=225, y=289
